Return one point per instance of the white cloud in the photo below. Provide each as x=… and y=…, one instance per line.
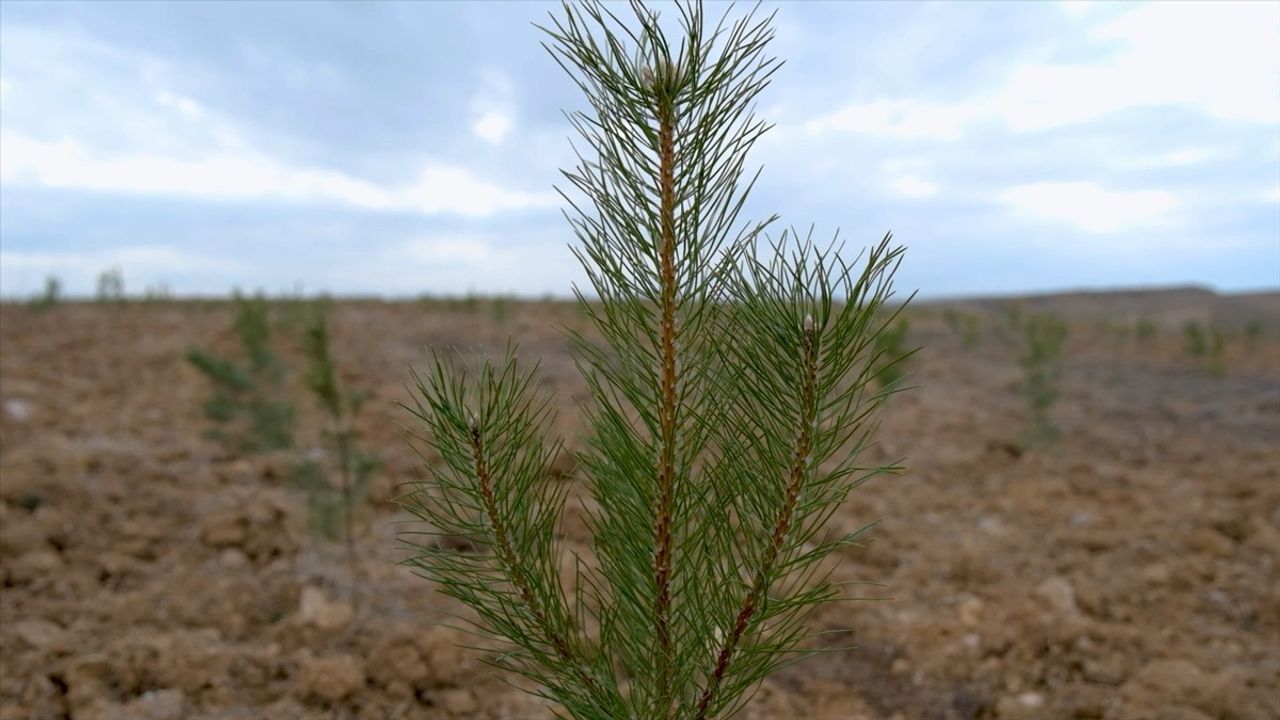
x=1220, y=59
x=1090, y=207
x=493, y=107
x=440, y=188
x=184, y=105
x=904, y=178
x=470, y=250
x=897, y=119
x=1182, y=157
x=492, y=127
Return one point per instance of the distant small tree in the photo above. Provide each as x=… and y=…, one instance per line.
x=1217, y=352
x=1041, y=362
x=248, y=407
x=50, y=296
x=340, y=406
x=963, y=324
x=890, y=356
x=111, y=285
x=1253, y=332
x=1194, y=339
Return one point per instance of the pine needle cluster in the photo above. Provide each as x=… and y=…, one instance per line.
x=732, y=382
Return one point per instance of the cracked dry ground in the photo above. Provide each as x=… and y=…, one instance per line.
x=1129, y=572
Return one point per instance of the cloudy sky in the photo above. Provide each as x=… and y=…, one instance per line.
x=409, y=148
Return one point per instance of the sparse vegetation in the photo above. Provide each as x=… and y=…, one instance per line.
x=1253, y=332
x=732, y=390
x=333, y=507
x=1041, y=362
x=891, y=355
x=1217, y=353
x=1145, y=330
x=1194, y=340
x=248, y=408
x=110, y=285
x=964, y=325
x=50, y=295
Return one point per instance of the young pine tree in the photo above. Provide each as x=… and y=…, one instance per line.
x=340, y=406
x=249, y=408
x=731, y=393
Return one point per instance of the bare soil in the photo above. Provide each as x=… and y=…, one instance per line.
x=1129, y=571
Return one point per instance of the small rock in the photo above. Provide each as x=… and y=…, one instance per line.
x=900, y=666
x=447, y=663
x=1212, y=542
x=232, y=558
x=17, y=410
x=1104, y=671
x=329, y=678
x=167, y=704
x=1031, y=700
x=1058, y=595
x=1156, y=573
x=36, y=564
x=397, y=661
x=222, y=529
x=1082, y=519
x=316, y=609
x=970, y=611
x=43, y=635
x=459, y=701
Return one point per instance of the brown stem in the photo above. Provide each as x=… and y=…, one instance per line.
x=668, y=400
x=800, y=461
x=510, y=563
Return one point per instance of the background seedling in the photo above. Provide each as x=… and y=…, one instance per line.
x=110, y=285
x=341, y=406
x=248, y=408
x=50, y=296
x=1041, y=362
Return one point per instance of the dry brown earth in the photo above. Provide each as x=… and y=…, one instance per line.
x=1130, y=572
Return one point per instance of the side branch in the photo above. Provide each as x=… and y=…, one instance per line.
x=795, y=481
x=507, y=556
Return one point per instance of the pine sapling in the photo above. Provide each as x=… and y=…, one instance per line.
x=248, y=407
x=1194, y=340
x=341, y=406
x=1041, y=362
x=111, y=285
x=732, y=384
x=50, y=295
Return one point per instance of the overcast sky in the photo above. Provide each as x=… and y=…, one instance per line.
x=410, y=148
